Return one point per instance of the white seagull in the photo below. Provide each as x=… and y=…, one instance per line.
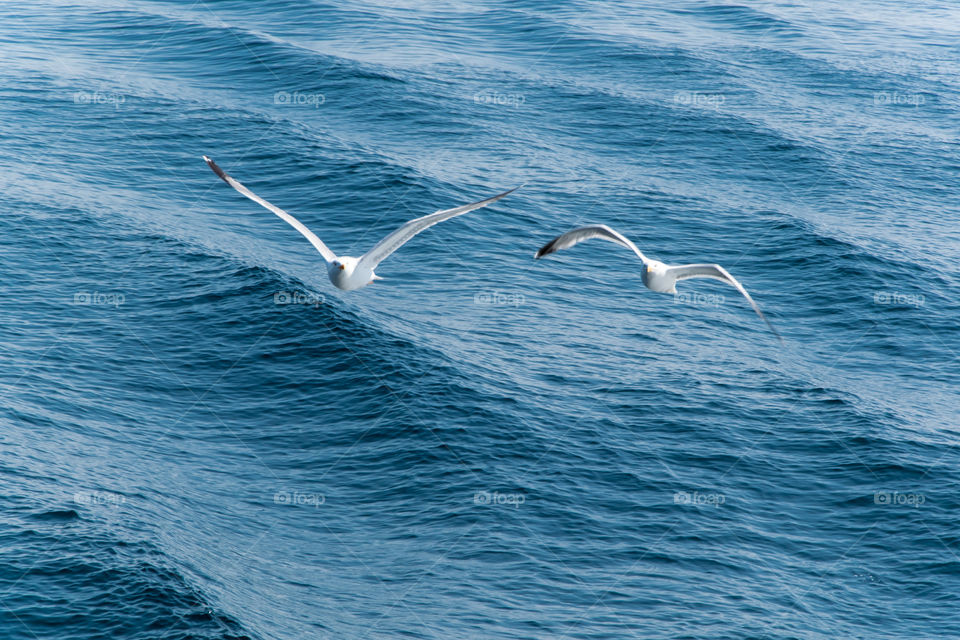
x=656, y=275
x=346, y=272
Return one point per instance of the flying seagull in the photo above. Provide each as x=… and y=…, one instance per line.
x=350, y=273
x=656, y=275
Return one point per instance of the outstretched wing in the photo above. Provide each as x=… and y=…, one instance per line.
x=716, y=272
x=328, y=256
x=571, y=238
x=401, y=236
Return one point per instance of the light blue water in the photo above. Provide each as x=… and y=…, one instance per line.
x=482, y=445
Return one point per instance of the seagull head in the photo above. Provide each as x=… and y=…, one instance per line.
x=342, y=267
x=654, y=266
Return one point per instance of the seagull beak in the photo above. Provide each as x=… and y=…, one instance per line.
x=341, y=267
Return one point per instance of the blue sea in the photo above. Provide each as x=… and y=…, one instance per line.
x=202, y=438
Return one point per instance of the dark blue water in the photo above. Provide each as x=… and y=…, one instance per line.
x=482, y=445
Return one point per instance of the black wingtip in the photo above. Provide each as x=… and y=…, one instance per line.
x=216, y=169
x=505, y=193
x=775, y=332
x=546, y=249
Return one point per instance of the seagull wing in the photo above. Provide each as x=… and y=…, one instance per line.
x=328, y=256
x=401, y=236
x=716, y=272
x=571, y=238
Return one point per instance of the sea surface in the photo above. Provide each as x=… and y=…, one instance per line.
x=201, y=438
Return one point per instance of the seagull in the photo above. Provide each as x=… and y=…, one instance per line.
x=656, y=275
x=346, y=272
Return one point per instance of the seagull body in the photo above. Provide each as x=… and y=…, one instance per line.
x=346, y=272
x=656, y=275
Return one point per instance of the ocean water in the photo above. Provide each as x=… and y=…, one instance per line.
x=202, y=438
